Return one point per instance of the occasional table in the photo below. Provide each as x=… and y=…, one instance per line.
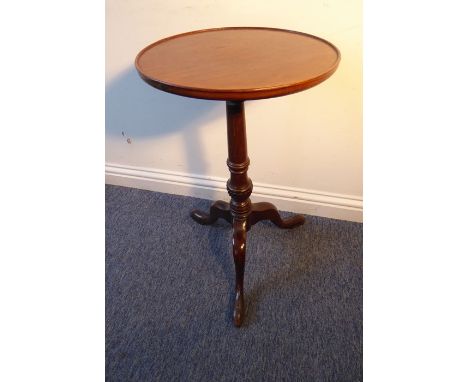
x=235, y=65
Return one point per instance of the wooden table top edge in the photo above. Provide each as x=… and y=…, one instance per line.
x=236, y=94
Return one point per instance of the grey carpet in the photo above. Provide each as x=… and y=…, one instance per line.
x=169, y=296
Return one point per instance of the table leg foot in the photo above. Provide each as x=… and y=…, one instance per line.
x=218, y=209
x=238, y=246
x=267, y=211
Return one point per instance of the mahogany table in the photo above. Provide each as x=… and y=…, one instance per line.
x=236, y=65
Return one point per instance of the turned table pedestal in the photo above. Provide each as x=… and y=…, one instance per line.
x=235, y=65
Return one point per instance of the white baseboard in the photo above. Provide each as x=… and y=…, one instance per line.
x=336, y=206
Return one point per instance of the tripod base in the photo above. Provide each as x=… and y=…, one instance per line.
x=259, y=211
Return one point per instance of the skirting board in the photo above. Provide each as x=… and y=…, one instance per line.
x=336, y=206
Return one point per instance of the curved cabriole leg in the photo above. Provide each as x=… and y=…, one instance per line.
x=238, y=250
x=267, y=211
x=218, y=209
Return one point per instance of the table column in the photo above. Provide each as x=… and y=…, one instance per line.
x=239, y=187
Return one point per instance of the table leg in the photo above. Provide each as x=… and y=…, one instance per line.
x=267, y=211
x=219, y=209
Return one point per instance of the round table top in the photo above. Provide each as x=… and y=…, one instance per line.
x=237, y=64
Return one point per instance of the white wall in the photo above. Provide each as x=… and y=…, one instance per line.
x=305, y=149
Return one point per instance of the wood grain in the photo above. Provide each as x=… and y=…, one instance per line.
x=236, y=64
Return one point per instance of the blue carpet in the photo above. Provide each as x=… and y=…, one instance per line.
x=169, y=296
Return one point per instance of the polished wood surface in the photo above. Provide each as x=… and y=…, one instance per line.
x=240, y=63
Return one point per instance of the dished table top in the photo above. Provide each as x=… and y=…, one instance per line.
x=239, y=63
